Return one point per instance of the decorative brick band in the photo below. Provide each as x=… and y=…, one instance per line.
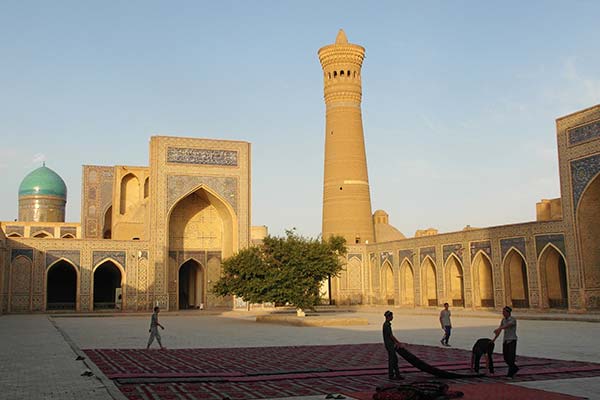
x=180, y=155
x=584, y=133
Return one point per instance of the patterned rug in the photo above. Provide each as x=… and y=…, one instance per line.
x=270, y=372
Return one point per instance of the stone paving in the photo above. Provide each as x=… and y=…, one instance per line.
x=37, y=361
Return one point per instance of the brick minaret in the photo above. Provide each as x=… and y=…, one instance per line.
x=346, y=196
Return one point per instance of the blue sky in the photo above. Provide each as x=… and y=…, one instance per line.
x=459, y=97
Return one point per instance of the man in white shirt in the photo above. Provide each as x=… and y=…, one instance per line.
x=509, y=344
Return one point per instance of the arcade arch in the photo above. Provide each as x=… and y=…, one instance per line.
x=455, y=282
x=515, y=276
x=407, y=286
x=61, y=286
x=554, y=275
x=388, y=284
x=429, y=283
x=107, y=278
x=588, y=223
x=483, y=281
x=191, y=285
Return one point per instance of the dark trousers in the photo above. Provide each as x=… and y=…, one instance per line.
x=448, y=330
x=490, y=361
x=393, y=369
x=509, y=351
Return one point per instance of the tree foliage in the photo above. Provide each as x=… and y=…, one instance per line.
x=287, y=269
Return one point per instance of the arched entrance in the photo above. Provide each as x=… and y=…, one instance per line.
x=429, y=283
x=454, y=278
x=107, y=279
x=553, y=268
x=201, y=225
x=61, y=286
x=388, y=274
x=484, y=284
x=407, y=287
x=588, y=227
x=191, y=283
x=515, y=274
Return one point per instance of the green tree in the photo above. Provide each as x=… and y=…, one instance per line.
x=286, y=269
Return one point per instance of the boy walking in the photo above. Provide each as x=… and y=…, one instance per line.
x=446, y=324
x=509, y=344
x=391, y=343
x=154, y=324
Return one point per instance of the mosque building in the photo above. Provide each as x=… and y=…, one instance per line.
x=157, y=234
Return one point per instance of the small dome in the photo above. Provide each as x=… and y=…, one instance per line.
x=44, y=182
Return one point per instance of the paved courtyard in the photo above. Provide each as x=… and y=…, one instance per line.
x=38, y=351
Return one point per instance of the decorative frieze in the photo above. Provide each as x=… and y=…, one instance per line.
x=19, y=230
x=584, y=133
x=225, y=187
x=427, y=251
x=386, y=256
x=485, y=246
x=557, y=240
x=506, y=244
x=21, y=252
x=582, y=172
x=119, y=256
x=456, y=249
x=54, y=255
x=408, y=254
x=181, y=155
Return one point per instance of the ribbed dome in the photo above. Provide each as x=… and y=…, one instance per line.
x=44, y=182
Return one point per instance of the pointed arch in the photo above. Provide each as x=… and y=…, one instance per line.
x=483, y=280
x=62, y=285
x=68, y=236
x=407, y=283
x=354, y=273
x=108, y=275
x=455, y=281
x=388, y=282
x=553, y=271
x=515, y=277
x=130, y=192
x=224, y=210
x=429, y=282
x=14, y=235
x=587, y=216
x=190, y=284
x=42, y=235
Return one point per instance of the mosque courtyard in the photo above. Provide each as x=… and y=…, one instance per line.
x=229, y=355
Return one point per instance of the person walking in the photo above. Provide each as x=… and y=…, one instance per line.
x=391, y=343
x=446, y=324
x=509, y=344
x=154, y=324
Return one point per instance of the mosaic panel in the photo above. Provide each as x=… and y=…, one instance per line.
x=55, y=255
x=21, y=252
x=506, y=244
x=19, y=230
x=97, y=188
x=226, y=187
x=427, y=251
x=36, y=229
x=354, y=255
x=386, y=256
x=21, y=272
x=582, y=172
x=456, y=249
x=557, y=240
x=38, y=303
x=485, y=246
x=68, y=230
x=584, y=133
x=181, y=155
x=406, y=254
x=119, y=256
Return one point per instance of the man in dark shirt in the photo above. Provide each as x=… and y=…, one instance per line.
x=391, y=343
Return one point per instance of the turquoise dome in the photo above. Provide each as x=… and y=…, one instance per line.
x=43, y=181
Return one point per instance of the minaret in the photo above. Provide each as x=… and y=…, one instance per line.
x=346, y=197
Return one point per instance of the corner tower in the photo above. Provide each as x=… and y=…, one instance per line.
x=346, y=196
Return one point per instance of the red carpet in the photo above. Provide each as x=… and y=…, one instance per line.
x=490, y=391
x=267, y=372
